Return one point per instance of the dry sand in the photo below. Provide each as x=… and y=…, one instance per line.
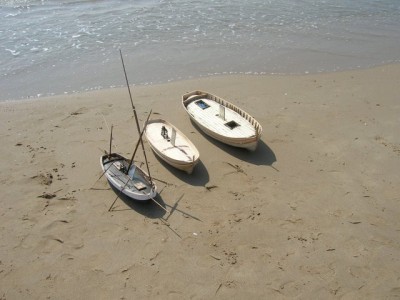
x=312, y=214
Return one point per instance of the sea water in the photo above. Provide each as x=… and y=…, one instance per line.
x=62, y=46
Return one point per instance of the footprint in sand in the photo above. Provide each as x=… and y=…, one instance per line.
x=44, y=178
x=394, y=147
x=78, y=112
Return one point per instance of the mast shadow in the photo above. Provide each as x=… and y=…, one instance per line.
x=263, y=155
x=147, y=208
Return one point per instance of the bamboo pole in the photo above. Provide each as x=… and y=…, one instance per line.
x=135, y=114
x=137, y=144
x=119, y=194
x=109, y=153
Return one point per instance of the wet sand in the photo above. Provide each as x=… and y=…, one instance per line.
x=313, y=213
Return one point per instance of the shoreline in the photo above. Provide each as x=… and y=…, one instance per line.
x=312, y=213
x=190, y=78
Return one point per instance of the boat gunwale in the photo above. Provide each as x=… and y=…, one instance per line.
x=249, y=142
x=197, y=94
x=136, y=194
x=168, y=158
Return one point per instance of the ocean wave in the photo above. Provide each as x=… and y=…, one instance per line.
x=188, y=38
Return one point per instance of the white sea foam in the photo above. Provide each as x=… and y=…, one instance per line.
x=13, y=52
x=167, y=40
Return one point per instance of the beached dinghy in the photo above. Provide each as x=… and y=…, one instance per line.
x=171, y=145
x=222, y=120
x=128, y=178
x=134, y=183
x=125, y=176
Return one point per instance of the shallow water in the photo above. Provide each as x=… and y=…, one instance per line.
x=53, y=47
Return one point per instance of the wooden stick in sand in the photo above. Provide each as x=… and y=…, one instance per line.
x=119, y=194
x=154, y=200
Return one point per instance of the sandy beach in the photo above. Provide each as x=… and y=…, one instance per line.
x=313, y=213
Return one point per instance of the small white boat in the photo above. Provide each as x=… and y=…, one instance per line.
x=222, y=120
x=134, y=183
x=171, y=145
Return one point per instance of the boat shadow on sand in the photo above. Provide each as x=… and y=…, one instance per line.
x=199, y=177
x=148, y=208
x=263, y=155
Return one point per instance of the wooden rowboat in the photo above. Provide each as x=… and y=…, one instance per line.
x=171, y=145
x=134, y=183
x=222, y=120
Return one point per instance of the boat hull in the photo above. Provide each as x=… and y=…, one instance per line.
x=180, y=153
x=246, y=131
x=246, y=143
x=136, y=184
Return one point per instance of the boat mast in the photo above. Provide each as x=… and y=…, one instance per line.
x=137, y=144
x=135, y=114
x=109, y=153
